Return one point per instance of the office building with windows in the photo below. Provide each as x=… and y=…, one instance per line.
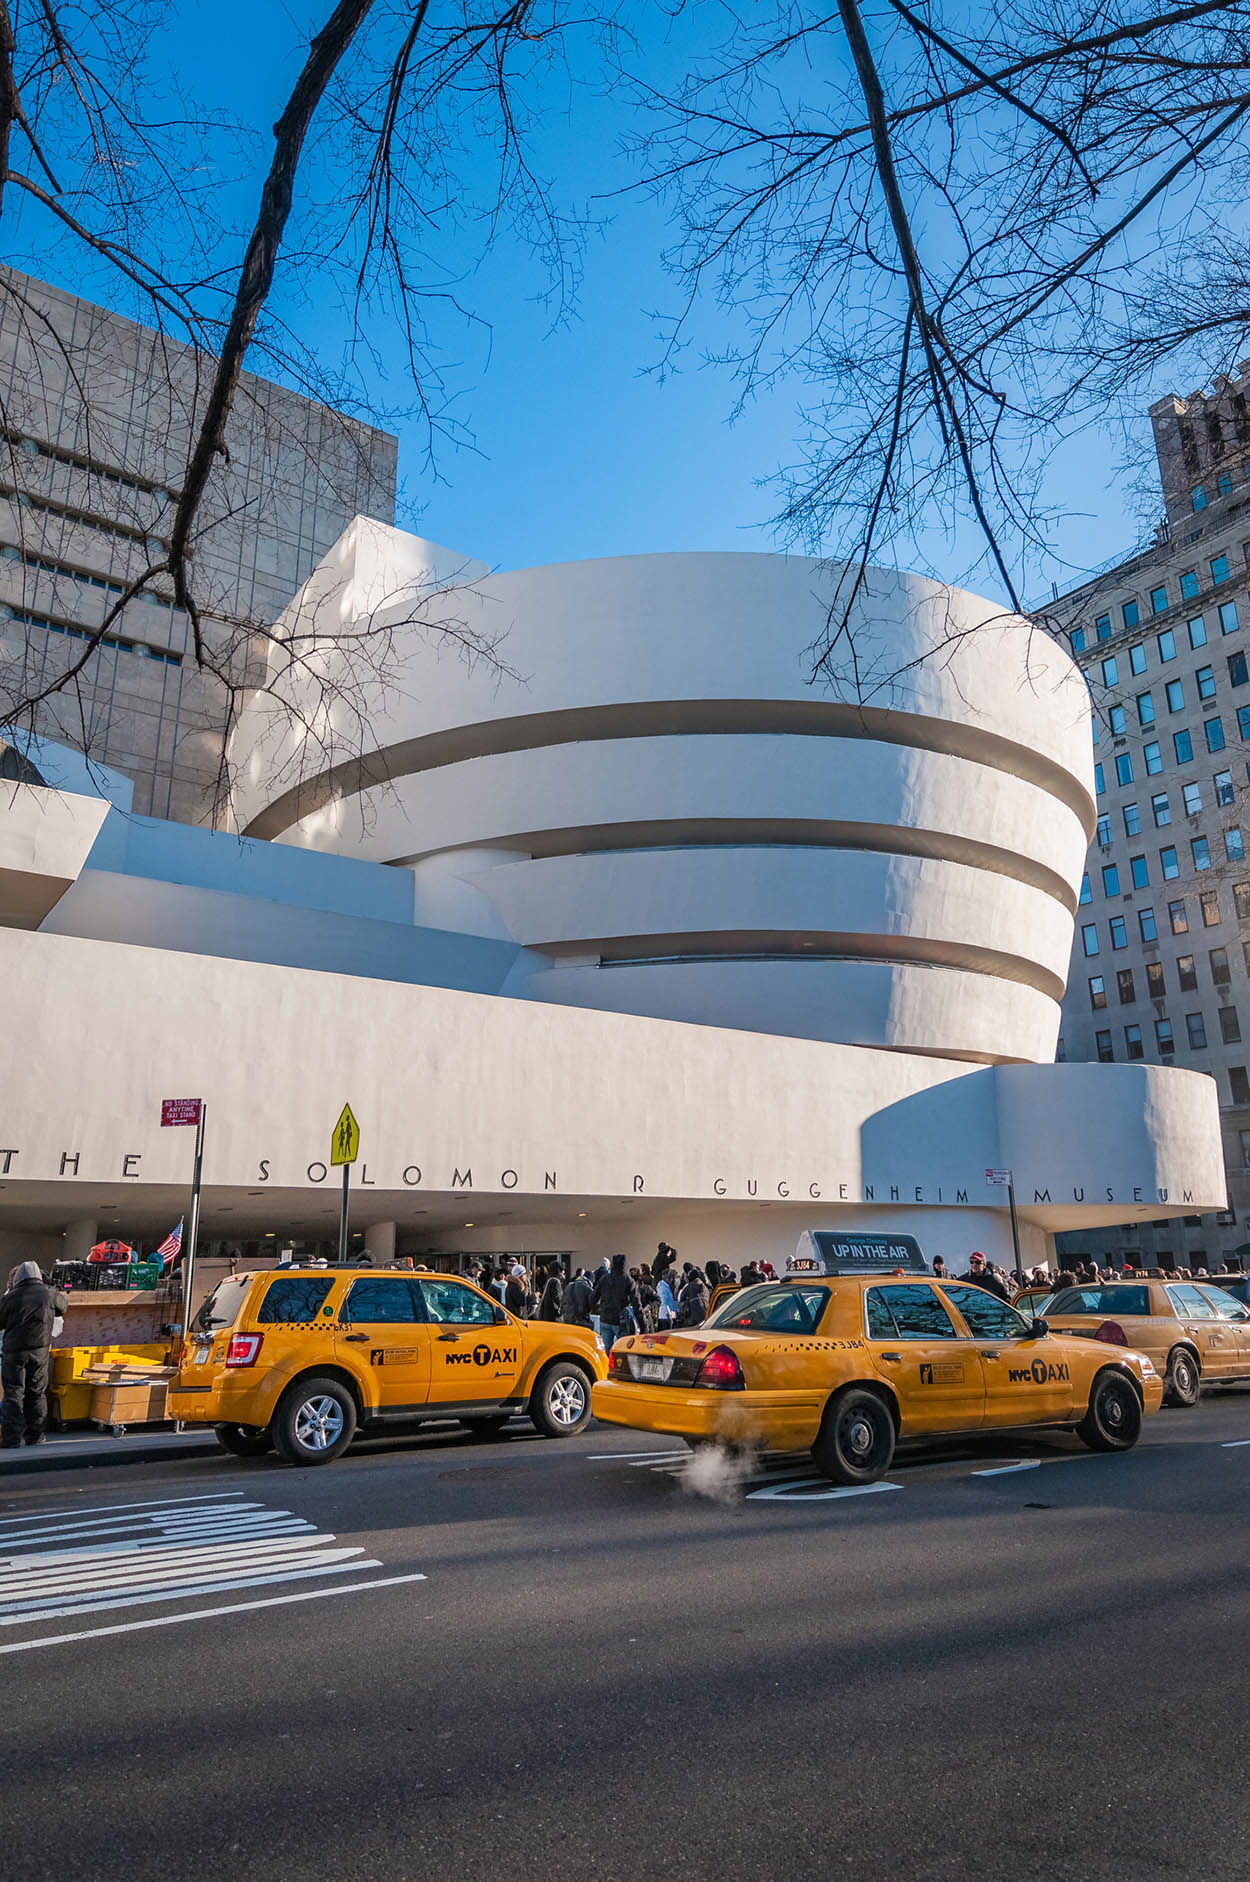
x=96, y=417
x=1160, y=972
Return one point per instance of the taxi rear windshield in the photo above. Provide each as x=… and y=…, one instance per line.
x=221, y=1309
x=1121, y=1300
x=772, y=1309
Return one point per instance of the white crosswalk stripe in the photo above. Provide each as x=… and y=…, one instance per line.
x=86, y=1561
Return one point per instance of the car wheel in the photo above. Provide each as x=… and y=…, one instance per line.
x=1182, y=1382
x=487, y=1425
x=856, y=1441
x=560, y=1404
x=315, y=1421
x=1113, y=1421
x=243, y=1440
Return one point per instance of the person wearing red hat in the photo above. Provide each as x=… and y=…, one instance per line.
x=979, y=1275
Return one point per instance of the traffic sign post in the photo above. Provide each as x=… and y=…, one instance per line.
x=188, y=1111
x=344, y=1149
x=1008, y=1177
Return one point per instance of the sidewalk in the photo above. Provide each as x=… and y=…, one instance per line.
x=79, y=1450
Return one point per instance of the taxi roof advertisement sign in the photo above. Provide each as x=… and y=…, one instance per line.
x=823, y=1251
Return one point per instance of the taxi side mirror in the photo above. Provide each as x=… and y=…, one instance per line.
x=1039, y=1329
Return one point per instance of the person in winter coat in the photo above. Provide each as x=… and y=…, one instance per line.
x=692, y=1301
x=27, y=1311
x=577, y=1301
x=549, y=1305
x=516, y=1293
x=615, y=1291
x=979, y=1275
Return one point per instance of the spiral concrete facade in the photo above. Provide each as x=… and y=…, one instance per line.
x=645, y=791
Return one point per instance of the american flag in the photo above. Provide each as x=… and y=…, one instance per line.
x=171, y=1247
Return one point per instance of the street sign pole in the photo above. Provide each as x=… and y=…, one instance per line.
x=193, y=1228
x=347, y=1175
x=1015, y=1226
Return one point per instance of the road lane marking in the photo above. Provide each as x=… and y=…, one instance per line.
x=804, y=1490
x=109, y=1509
x=624, y=1457
x=1235, y=1444
x=204, y=1614
x=1005, y=1470
x=215, y=1584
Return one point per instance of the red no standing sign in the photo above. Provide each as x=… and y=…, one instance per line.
x=180, y=1110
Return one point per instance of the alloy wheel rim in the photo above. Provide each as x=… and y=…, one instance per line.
x=567, y=1401
x=318, y=1423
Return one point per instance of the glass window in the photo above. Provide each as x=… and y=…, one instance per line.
x=1124, y=987
x=1196, y=1028
x=1192, y=796
x=1137, y=658
x=1119, y=932
x=1223, y=781
x=1224, y=483
x=1163, y=1038
x=1245, y=955
x=1130, y=611
x=1158, y=600
x=221, y=1309
x=1145, y=709
x=1089, y=937
x=1097, y=992
x=1169, y=863
x=1153, y=757
x=1190, y=1304
x=1110, y=880
x=1205, y=677
x=1243, y=722
x=1198, y=497
x=1178, y=918
x=988, y=1317
x=1132, y=1042
x=1139, y=872
x=1154, y=980
x=1103, y=1047
x=1197, y=631
x=1110, y=671
x=1214, y=729
x=1117, y=1299
x=1230, y=1026
x=379, y=1300
x=1086, y=892
x=1189, y=584
x=1146, y=922
x=1218, y=958
x=1239, y=1084
x=1123, y=768
x=1219, y=568
x=1102, y=627
x=1132, y=820
x=907, y=1311
x=1100, y=783
x=1167, y=644
x=1160, y=809
x=1234, y=848
x=1103, y=835
x=1241, y=900
x=1185, y=973
x=1174, y=692
x=294, y=1300
x=1060, y=1050
x=1184, y=748
x=775, y=1309
x=1076, y=640
x=450, y=1304
x=1228, y=617
x=1117, y=721
x=1238, y=672
x=1201, y=852
x=1210, y=900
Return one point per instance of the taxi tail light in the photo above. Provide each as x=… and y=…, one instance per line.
x=244, y=1349
x=1112, y=1333
x=721, y=1371
x=618, y=1363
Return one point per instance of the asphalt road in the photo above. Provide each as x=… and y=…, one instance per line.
x=609, y=1672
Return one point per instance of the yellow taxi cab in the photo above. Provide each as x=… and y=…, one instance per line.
x=845, y=1365
x=1196, y=1334
x=1031, y=1300
x=298, y=1360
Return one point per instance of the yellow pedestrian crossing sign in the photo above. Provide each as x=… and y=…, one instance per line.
x=345, y=1143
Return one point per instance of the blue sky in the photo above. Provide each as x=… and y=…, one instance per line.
x=579, y=449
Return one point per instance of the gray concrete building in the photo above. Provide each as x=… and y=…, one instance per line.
x=1161, y=964
x=96, y=416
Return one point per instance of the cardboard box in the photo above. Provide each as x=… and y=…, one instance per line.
x=132, y=1403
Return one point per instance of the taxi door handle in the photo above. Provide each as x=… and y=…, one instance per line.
x=363, y=1338
x=449, y=1336
x=896, y=1359
x=987, y=1354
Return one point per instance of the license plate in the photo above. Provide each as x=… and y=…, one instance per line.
x=203, y=1354
x=653, y=1371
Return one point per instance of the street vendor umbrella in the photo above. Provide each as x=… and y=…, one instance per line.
x=111, y=1251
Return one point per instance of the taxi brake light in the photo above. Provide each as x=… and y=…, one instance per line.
x=1113, y=1333
x=721, y=1371
x=243, y=1349
x=618, y=1363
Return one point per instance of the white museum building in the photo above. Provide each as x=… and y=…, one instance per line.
x=615, y=926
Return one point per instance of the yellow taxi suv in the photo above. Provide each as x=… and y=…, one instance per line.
x=1196, y=1334
x=299, y=1361
x=847, y=1366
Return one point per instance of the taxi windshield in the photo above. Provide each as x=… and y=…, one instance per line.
x=772, y=1308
